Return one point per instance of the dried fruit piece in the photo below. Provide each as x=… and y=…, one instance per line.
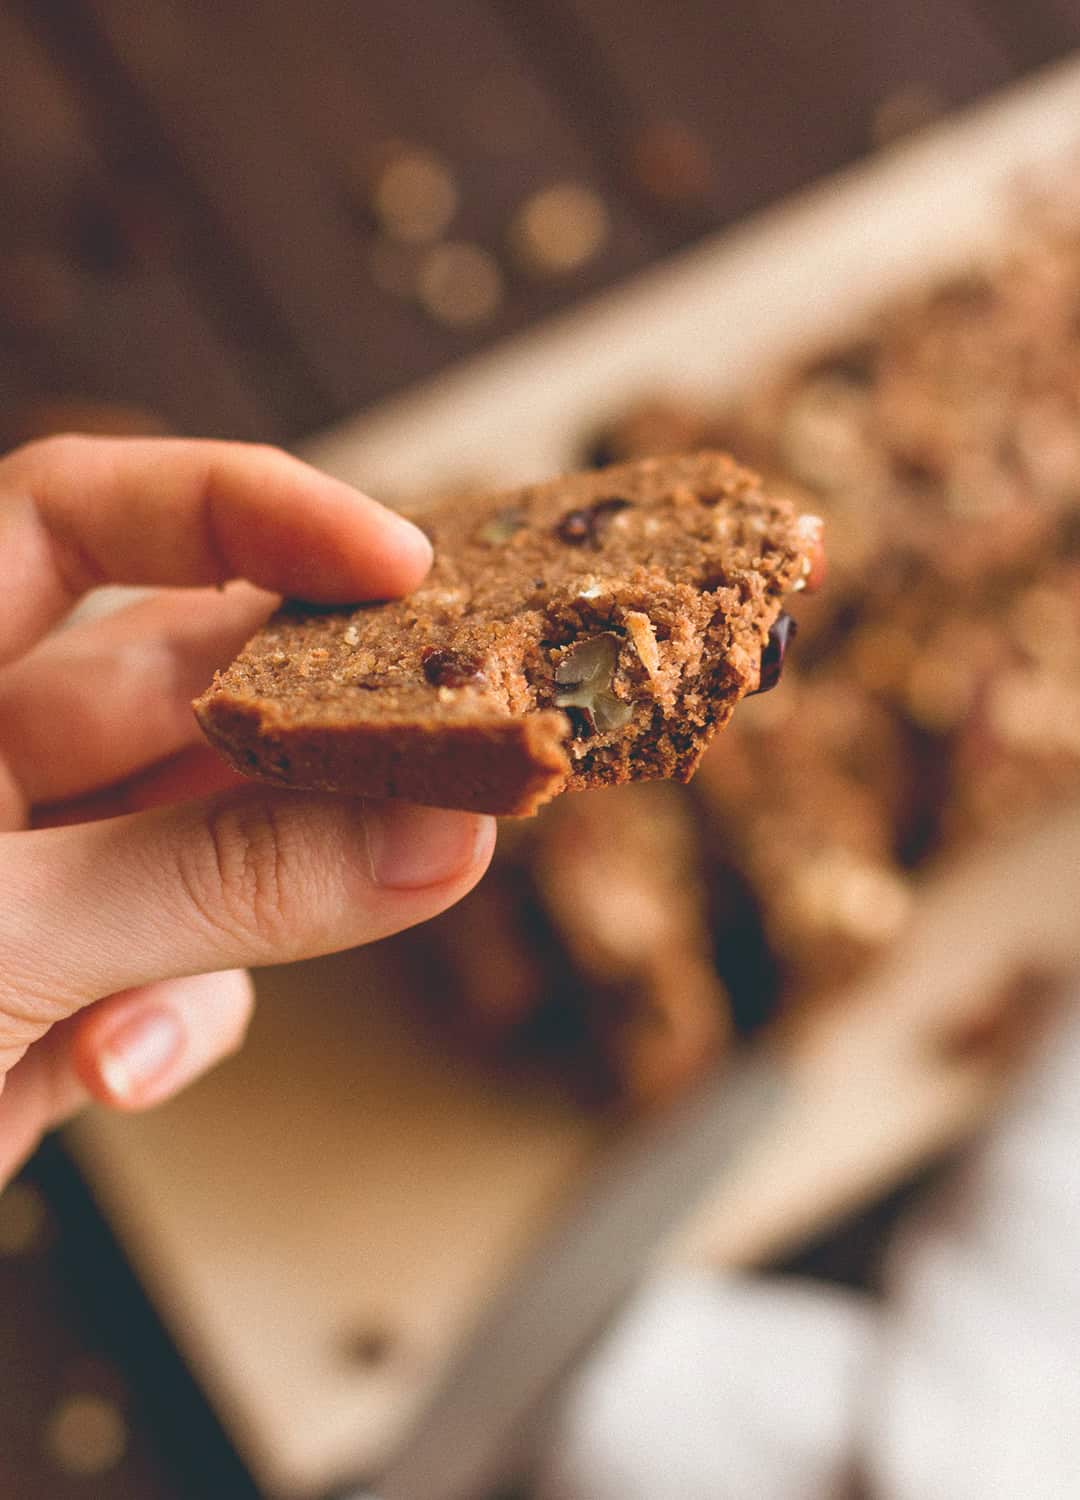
x=601, y=512
x=586, y=675
x=446, y=668
x=579, y=527
x=781, y=634
x=573, y=529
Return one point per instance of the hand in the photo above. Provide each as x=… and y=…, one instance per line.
x=138, y=874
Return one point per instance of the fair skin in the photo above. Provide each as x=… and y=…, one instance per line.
x=139, y=878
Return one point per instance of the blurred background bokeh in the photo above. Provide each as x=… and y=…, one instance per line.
x=250, y=218
x=254, y=218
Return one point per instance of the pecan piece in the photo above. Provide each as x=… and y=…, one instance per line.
x=585, y=677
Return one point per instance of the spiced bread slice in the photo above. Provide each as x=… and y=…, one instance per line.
x=593, y=630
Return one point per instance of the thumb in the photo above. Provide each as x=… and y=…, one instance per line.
x=247, y=877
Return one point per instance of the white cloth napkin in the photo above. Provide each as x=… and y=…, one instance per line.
x=977, y=1394
x=715, y=1389
x=963, y=1384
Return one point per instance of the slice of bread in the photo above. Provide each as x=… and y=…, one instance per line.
x=593, y=630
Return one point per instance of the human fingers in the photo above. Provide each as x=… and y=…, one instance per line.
x=248, y=877
x=14, y=808
x=129, y=1051
x=195, y=771
x=95, y=703
x=80, y=511
x=40, y=1092
x=141, y=1046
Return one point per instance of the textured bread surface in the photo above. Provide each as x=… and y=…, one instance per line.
x=590, y=631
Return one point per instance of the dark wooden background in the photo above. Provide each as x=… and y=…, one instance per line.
x=188, y=187
x=191, y=225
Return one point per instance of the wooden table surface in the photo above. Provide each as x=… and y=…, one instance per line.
x=192, y=225
x=193, y=219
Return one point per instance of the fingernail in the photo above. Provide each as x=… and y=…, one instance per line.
x=414, y=538
x=410, y=847
x=138, y=1052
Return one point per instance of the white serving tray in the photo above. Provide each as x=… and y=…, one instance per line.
x=322, y=1221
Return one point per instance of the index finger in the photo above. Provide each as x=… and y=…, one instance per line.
x=80, y=511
